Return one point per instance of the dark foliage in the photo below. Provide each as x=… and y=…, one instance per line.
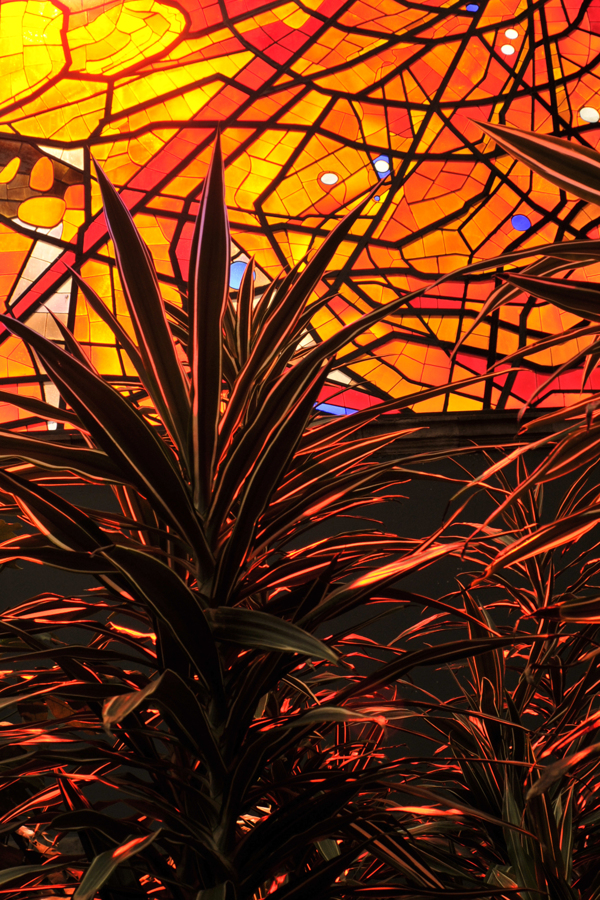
x=180, y=730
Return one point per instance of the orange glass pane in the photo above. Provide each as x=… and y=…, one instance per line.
x=42, y=175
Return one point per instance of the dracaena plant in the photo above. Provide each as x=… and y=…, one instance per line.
x=573, y=451
x=528, y=752
x=179, y=730
x=519, y=740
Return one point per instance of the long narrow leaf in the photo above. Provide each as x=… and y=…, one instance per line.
x=64, y=524
x=579, y=297
x=122, y=434
x=548, y=537
x=92, y=464
x=208, y=295
x=144, y=303
x=441, y=653
x=567, y=164
x=280, y=322
x=104, y=865
x=506, y=292
x=253, y=628
x=245, y=312
x=175, y=604
x=259, y=488
x=41, y=409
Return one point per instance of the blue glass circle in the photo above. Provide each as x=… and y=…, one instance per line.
x=236, y=272
x=377, y=199
x=382, y=166
x=472, y=7
x=520, y=222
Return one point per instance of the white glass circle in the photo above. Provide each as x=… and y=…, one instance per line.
x=511, y=33
x=589, y=114
x=329, y=178
x=382, y=165
x=507, y=49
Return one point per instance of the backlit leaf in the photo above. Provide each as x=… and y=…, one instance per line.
x=122, y=434
x=579, y=297
x=208, y=294
x=558, y=769
x=547, y=537
x=569, y=165
x=144, y=302
x=104, y=865
x=115, y=709
x=253, y=628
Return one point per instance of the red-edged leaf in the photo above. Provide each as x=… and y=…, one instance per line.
x=571, y=453
x=74, y=348
x=567, y=164
x=80, y=819
x=68, y=560
x=440, y=653
x=104, y=865
x=327, y=433
x=39, y=408
x=261, y=630
x=409, y=563
x=117, y=708
x=270, y=418
x=178, y=607
x=556, y=770
x=144, y=302
x=506, y=292
x=591, y=362
x=92, y=464
x=579, y=297
x=322, y=499
x=123, y=434
x=548, y=537
x=180, y=709
x=259, y=487
x=280, y=324
x=245, y=307
x=208, y=296
x=432, y=796
x=8, y=875
x=64, y=524
x=579, y=609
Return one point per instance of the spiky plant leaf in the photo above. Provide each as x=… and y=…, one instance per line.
x=569, y=165
x=105, y=864
x=230, y=723
x=578, y=297
x=163, y=372
x=208, y=297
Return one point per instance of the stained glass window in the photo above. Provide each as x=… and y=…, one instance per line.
x=318, y=101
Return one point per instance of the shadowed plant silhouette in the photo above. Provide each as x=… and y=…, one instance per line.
x=529, y=750
x=179, y=730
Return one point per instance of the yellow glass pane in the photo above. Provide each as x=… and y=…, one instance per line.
x=10, y=170
x=43, y=212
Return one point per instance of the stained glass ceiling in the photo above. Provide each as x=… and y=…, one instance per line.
x=318, y=101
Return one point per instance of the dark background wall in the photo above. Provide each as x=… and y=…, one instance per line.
x=416, y=510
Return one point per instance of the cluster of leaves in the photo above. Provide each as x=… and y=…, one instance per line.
x=184, y=729
x=528, y=752
x=179, y=729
